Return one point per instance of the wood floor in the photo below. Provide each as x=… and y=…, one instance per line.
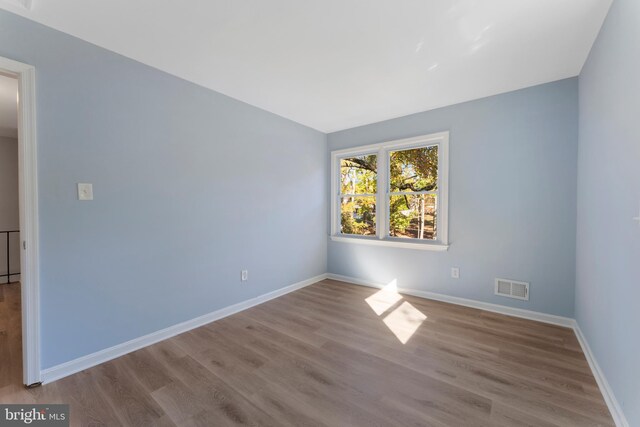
x=10, y=337
x=332, y=354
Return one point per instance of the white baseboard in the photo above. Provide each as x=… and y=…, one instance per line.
x=495, y=308
x=603, y=384
x=85, y=362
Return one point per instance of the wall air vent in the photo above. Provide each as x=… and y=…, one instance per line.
x=512, y=289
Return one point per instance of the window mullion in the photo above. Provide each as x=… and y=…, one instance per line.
x=380, y=199
x=412, y=193
x=346, y=196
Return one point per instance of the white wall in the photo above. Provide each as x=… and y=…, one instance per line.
x=608, y=240
x=512, y=185
x=9, y=214
x=190, y=187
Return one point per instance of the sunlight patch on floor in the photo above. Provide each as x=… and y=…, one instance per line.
x=384, y=299
x=403, y=320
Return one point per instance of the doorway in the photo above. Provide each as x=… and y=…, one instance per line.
x=10, y=293
x=20, y=333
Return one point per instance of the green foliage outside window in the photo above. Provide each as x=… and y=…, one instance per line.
x=359, y=176
x=410, y=215
x=414, y=170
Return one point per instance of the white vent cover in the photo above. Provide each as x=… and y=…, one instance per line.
x=512, y=289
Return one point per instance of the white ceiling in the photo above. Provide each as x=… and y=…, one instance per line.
x=8, y=107
x=336, y=64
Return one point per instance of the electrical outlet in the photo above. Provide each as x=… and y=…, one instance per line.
x=85, y=191
x=244, y=275
x=455, y=272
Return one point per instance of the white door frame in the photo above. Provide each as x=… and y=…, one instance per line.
x=28, y=194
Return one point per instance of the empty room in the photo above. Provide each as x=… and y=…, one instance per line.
x=336, y=213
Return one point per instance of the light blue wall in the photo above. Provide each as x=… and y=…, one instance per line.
x=608, y=241
x=512, y=201
x=190, y=187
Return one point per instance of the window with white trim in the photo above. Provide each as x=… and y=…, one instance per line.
x=394, y=193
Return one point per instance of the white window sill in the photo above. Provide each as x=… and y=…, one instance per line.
x=392, y=243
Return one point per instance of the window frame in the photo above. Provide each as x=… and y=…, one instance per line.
x=383, y=150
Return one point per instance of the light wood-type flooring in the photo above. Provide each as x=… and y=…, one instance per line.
x=331, y=354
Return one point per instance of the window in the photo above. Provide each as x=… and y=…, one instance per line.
x=392, y=194
x=358, y=192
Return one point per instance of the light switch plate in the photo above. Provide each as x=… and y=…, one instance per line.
x=85, y=191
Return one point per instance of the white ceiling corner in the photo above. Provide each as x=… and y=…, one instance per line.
x=337, y=64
